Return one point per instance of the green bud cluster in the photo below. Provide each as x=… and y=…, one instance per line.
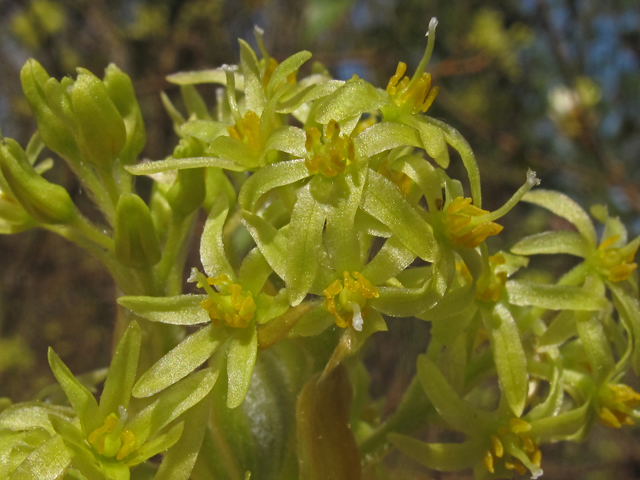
x=329, y=211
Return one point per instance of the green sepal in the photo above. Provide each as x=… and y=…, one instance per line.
x=313, y=323
x=383, y=201
x=279, y=327
x=217, y=183
x=157, y=445
x=508, y=355
x=171, y=164
x=567, y=208
x=271, y=241
x=596, y=345
x=136, y=240
x=385, y=136
x=374, y=322
x=214, y=75
x=195, y=104
x=629, y=310
x=458, y=413
x=47, y=462
x=553, y=297
x=32, y=415
x=285, y=68
x=307, y=93
x=547, y=243
x=121, y=92
x=406, y=302
x=253, y=89
x=424, y=175
x=351, y=99
x=563, y=426
x=233, y=150
x=254, y=271
x=269, y=178
x=204, y=130
x=172, y=403
x=178, y=462
x=80, y=398
x=457, y=141
x=241, y=358
x=561, y=329
x=122, y=372
x=83, y=457
x=44, y=201
x=443, y=457
x=212, y=253
x=390, y=260
x=287, y=139
x=435, y=143
x=175, y=310
x=102, y=132
x=183, y=359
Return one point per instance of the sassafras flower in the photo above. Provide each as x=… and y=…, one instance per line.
x=616, y=263
x=228, y=302
x=616, y=405
x=352, y=294
x=329, y=155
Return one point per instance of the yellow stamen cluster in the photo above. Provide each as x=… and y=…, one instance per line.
x=331, y=155
x=460, y=226
x=352, y=292
x=514, y=434
x=229, y=303
x=617, y=402
x=617, y=266
x=418, y=95
x=248, y=131
x=109, y=442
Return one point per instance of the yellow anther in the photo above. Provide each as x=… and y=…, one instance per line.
x=417, y=95
x=608, y=242
x=352, y=292
x=517, y=466
x=498, y=448
x=616, y=267
x=517, y=425
x=393, y=81
x=400, y=179
x=460, y=228
x=487, y=461
x=271, y=66
x=529, y=445
x=625, y=394
x=248, y=131
x=536, y=458
x=609, y=418
x=230, y=304
x=128, y=444
x=96, y=438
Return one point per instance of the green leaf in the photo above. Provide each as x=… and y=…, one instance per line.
x=80, y=398
x=390, y=260
x=383, y=201
x=286, y=67
x=172, y=403
x=157, y=445
x=561, y=329
x=458, y=413
x=179, y=460
x=303, y=247
x=188, y=355
x=353, y=98
x=47, y=462
x=553, y=297
x=270, y=177
x=552, y=242
x=212, y=252
x=567, y=208
x=508, y=355
x=385, y=136
x=176, y=310
x=122, y=372
x=444, y=457
x=159, y=166
x=241, y=358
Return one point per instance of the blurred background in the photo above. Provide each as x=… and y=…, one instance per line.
x=552, y=85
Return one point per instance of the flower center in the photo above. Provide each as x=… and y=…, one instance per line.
x=111, y=439
x=248, y=131
x=616, y=264
x=415, y=96
x=515, y=447
x=329, y=155
x=616, y=405
x=352, y=292
x=228, y=303
x=464, y=226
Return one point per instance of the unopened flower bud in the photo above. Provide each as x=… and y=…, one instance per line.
x=44, y=201
x=102, y=133
x=188, y=191
x=136, y=240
